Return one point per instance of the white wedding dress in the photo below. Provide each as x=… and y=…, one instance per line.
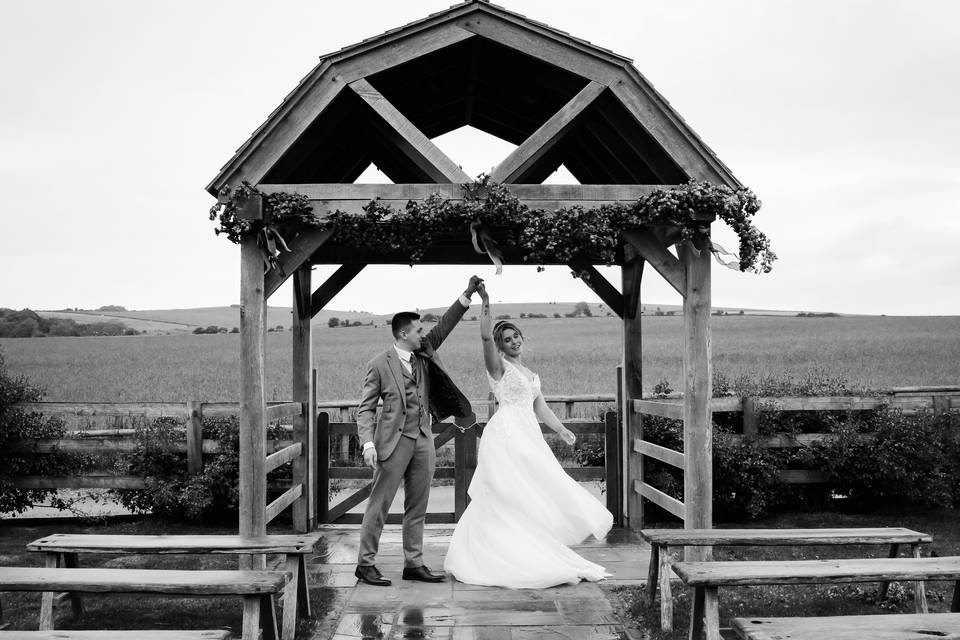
x=524, y=510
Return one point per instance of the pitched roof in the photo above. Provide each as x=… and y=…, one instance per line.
x=301, y=109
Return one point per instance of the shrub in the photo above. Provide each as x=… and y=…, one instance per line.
x=19, y=425
x=211, y=495
x=895, y=460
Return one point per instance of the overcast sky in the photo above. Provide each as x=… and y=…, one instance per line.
x=841, y=115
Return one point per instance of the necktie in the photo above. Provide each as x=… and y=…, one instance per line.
x=413, y=368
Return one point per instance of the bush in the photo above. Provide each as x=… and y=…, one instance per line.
x=876, y=458
x=211, y=495
x=893, y=460
x=17, y=424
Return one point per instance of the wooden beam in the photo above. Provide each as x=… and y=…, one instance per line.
x=669, y=456
x=285, y=500
x=409, y=139
x=599, y=285
x=657, y=255
x=582, y=193
x=317, y=91
x=514, y=167
x=659, y=498
x=253, y=435
x=669, y=130
x=697, y=391
x=301, y=248
x=283, y=456
x=333, y=285
x=543, y=45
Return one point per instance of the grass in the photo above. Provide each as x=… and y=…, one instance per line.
x=809, y=600
x=571, y=355
x=118, y=611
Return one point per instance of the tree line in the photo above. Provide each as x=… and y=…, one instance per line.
x=29, y=324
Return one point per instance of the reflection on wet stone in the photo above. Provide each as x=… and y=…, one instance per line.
x=371, y=626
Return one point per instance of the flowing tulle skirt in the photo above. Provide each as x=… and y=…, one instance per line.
x=524, y=512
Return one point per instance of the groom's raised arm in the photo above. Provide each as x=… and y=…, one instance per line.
x=452, y=316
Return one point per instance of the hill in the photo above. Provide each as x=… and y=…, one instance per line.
x=173, y=321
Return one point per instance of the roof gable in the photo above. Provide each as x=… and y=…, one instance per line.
x=381, y=100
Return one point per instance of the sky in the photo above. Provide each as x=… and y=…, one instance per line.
x=842, y=115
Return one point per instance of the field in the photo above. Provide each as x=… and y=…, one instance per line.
x=576, y=355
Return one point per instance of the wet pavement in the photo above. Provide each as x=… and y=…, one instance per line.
x=453, y=610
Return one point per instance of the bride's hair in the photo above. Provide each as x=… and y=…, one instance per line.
x=498, y=330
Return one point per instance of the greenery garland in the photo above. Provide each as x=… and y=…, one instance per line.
x=563, y=235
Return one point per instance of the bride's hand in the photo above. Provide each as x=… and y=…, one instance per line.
x=568, y=436
x=482, y=290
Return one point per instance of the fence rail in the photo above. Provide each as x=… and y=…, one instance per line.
x=937, y=399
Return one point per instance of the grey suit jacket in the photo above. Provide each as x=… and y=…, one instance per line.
x=384, y=380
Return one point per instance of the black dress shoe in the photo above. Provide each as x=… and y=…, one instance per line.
x=422, y=574
x=371, y=575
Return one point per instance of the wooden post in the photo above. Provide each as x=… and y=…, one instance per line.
x=697, y=390
x=623, y=451
x=194, y=437
x=253, y=444
x=632, y=274
x=323, y=467
x=749, y=417
x=301, y=365
x=611, y=452
x=312, y=460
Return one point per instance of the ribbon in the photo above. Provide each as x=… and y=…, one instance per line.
x=718, y=250
x=479, y=234
x=270, y=242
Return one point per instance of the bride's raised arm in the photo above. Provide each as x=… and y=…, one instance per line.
x=491, y=358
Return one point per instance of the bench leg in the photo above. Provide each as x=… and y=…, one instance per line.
x=920, y=587
x=303, y=588
x=76, y=604
x=652, y=572
x=696, y=614
x=268, y=617
x=884, y=586
x=47, y=611
x=291, y=598
x=955, y=605
x=251, y=618
x=711, y=613
x=666, y=592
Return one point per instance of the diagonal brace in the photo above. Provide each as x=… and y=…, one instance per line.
x=600, y=286
x=514, y=167
x=333, y=285
x=654, y=252
x=409, y=139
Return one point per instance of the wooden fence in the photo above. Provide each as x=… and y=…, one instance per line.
x=342, y=428
x=909, y=400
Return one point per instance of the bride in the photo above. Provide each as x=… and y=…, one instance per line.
x=524, y=510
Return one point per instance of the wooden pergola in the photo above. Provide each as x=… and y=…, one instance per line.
x=563, y=101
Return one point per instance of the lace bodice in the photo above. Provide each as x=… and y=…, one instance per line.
x=514, y=388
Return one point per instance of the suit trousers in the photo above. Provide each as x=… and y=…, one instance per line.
x=412, y=462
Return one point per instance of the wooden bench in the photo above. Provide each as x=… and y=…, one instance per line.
x=945, y=626
x=706, y=577
x=257, y=588
x=61, y=551
x=662, y=539
x=136, y=634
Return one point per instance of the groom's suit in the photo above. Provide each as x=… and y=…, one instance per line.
x=402, y=434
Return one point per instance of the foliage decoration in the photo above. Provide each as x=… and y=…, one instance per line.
x=677, y=215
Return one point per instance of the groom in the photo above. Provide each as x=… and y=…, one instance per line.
x=410, y=380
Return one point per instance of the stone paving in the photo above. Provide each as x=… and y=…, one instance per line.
x=455, y=611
